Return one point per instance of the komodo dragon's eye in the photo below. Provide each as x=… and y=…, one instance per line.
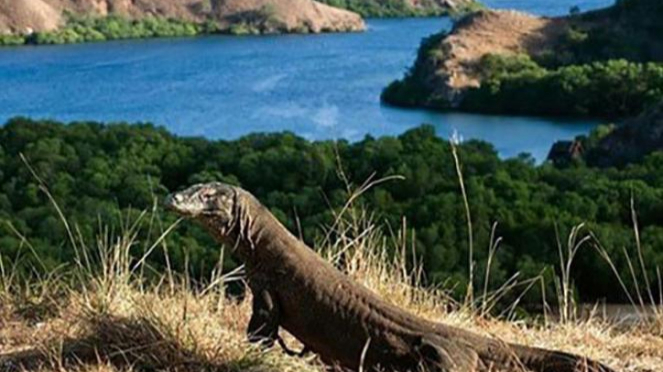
x=208, y=195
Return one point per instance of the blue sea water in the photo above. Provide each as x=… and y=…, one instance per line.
x=318, y=86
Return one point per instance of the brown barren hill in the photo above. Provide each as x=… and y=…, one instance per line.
x=479, y=34
x=290, y=15
x=26, y=16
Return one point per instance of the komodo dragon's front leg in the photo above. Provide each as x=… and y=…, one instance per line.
x=264, y=323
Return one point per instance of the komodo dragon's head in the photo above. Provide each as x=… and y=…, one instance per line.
x=213, y=204
x=231, y=214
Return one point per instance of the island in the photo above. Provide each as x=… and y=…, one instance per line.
x=603, y=63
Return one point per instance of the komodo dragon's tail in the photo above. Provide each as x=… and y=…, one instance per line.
x=542, y=360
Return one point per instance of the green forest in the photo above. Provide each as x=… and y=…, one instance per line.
x=518, y=85
x=100, y=174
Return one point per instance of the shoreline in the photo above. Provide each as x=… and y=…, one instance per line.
x=95, y=29
x=82, y=28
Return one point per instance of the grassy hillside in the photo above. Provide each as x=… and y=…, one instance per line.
x=94, y=170
x=603, y=63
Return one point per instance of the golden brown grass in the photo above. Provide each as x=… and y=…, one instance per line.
x=108, y=319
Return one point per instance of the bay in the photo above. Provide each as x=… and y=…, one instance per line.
x=222, y=87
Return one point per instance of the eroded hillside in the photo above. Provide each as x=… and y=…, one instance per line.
x=450, y=64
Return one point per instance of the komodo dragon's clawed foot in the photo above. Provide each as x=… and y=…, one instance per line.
x=440, y=355
x=305, y=350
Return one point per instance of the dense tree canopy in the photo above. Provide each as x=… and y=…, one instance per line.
x=517, y=84
x=102, y=173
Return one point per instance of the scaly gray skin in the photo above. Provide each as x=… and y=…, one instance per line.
x=340, y=320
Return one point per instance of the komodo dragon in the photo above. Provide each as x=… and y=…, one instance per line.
x=343, y=322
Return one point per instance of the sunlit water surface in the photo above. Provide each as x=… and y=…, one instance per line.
x=318, y=86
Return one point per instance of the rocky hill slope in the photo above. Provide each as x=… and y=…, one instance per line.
x=450, y=65
x=27, y=16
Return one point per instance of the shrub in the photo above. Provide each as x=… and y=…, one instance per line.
x=6, y=39
x=90, y=29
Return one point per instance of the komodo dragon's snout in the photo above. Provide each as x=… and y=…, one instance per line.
x=209, y=201
x=342, y=321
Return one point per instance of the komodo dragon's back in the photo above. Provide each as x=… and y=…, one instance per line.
x=342, y=321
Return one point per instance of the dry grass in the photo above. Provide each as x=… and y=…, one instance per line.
x=127, y=327
x=105, y=317
x=111, y=321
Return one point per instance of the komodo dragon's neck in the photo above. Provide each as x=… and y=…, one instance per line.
x=255, y=235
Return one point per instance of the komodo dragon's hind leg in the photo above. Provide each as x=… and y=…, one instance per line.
x=440, y=355
x=264, y=323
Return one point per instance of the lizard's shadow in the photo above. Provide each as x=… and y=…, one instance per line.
x=125, y=343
